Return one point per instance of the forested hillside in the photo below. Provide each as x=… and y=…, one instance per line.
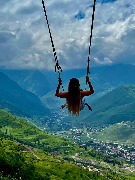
x=29, y=153
x=123, y=132
x=23, y=101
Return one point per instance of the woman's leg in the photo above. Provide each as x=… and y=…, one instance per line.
x=88, y=106
x=64, y=105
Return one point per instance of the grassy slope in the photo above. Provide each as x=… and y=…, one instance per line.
x=28, y=133
x=17, y=159
x=123, y=132
x=115, y=106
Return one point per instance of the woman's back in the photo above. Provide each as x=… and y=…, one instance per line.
x=74, y=95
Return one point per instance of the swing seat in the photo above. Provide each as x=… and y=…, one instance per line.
x=83, y=104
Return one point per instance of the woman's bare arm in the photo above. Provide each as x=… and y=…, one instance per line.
x=91, y=91
x=60, y=94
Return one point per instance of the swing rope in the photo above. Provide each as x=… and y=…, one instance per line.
x=88, y=66
x=57, y=66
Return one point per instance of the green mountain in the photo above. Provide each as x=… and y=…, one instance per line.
x=101, y=87
x=116, y=74
x=123, y=132
x=27, y=133
x=115, y=106
x=29, y=153
x=104, y=79
x=11, y=108
x=43, y=83
x=21, y=162
x=12, y=95
x=33, y=80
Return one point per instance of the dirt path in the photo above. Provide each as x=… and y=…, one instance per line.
x=30, y=150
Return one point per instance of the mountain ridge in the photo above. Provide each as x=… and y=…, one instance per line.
x=104, y=79
x=12, y=93
x=113, y=107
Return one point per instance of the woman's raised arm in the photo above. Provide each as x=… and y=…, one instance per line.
x=60, y=94
x=91, y=91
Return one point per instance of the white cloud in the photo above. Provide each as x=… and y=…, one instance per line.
x=25, y=43
x=104, y=61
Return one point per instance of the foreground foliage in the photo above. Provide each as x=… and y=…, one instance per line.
x=29, y=153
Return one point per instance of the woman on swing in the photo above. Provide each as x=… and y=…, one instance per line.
x=74, y=95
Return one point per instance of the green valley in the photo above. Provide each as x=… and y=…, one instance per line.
x=27, y=152
x=115, y=106
x=123, y=133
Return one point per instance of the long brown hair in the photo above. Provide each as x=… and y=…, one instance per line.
x=73, y=99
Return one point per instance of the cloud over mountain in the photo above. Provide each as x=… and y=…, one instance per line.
x=24, y=37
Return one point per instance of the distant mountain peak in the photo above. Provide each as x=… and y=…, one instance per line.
x=12, y=94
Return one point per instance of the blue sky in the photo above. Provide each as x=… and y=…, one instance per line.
x=25, y=43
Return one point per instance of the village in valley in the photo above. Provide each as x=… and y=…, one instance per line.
x=111, y=152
